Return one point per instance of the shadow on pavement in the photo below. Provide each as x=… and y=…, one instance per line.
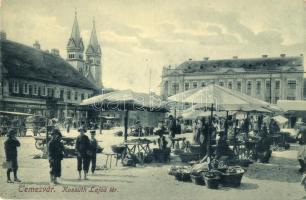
x=114, y=175
x=280, y=169
x=97, y=180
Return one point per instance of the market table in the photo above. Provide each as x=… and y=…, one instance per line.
x=137, y=147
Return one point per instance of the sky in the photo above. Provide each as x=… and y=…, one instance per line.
x=141, y=36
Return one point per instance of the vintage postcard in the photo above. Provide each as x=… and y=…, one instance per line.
x=153, y=99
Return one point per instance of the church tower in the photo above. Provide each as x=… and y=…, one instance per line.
x=93, y=57
x=75, y=47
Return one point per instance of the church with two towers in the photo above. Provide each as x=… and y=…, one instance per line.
x=89, y=66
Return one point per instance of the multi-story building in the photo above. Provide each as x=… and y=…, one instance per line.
x=91, y=68
x=36, y=81
x=268, y=79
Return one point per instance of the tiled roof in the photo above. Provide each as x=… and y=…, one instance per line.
x=25, y=62
x=252, y=64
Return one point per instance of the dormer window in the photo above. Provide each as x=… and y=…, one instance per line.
x=71, y=55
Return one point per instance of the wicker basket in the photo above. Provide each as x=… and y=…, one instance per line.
x=197, y=179
x=183, y=175
x=232, y=179
x=212, y=183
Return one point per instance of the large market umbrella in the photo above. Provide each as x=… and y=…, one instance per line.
x=192, y=114
x=220, y=98
x=126, y=100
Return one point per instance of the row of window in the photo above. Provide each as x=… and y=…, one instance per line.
x=36, y=90
x=71, y=55
x=291, y=85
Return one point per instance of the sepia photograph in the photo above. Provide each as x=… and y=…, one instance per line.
x=153, y=99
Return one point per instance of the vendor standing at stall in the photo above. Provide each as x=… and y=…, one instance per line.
x=172, y=127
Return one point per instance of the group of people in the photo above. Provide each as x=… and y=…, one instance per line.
x=217, y=132
x=86, y=150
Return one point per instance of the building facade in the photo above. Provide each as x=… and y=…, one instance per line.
x=91, y=66
x=268, y=79
x=37, y=82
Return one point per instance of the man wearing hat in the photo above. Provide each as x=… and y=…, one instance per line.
x=56, y=154
x=82, y=147
x=10, y=147
x=93, y=150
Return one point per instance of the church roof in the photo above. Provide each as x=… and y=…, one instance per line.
x=25, y=62
x=93, y=46
x=75, y=33
x=243, y=65
x=75, y=40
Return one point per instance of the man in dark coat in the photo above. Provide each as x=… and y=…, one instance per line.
x=56, y=154
x=10, y=147
x=93, y=150
x=82, y=147
x=172, y=126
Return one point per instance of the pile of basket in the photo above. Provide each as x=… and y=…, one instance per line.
x=226, y=176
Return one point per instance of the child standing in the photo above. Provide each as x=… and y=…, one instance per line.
x=10, y=147
x=93, y=150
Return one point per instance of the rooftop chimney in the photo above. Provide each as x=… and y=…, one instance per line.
x=206, y=58
x=235, y=57
x=55, y=52
x=283, y=55
x=36, y=45
x=265, y=56
x=2, y=35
